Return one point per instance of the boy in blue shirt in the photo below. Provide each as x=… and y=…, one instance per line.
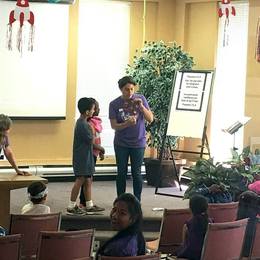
x=83, y=162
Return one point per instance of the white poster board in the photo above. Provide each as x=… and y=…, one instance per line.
x=189, y=103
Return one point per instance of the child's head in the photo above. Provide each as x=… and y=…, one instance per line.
x=86, y=106
x=97, y=109
x=257, y=177
x=5, y=124
x=198, y=205
x=249, y=205
x=37, y=192
x=126, y=212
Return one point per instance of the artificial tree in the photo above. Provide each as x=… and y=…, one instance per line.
x=153, y=69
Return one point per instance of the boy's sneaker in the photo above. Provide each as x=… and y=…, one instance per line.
x=75, y=211
x=94, y=208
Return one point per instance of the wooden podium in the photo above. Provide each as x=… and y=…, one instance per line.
x=8, y=182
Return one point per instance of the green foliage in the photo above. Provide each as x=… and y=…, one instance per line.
x=154, y=70
x=233, y=176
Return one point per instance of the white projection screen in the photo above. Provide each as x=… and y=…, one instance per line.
x=33, y=85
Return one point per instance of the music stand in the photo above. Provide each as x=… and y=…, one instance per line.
x=234, y=128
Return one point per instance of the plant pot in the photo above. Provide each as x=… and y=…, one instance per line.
x=152, y=168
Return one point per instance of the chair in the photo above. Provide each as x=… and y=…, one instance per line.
x=223, y=212
x=224, y=240
x=140, y=257
x=30, y=226
x=255, y=250
x=65, y=245
x=10, y=247
x=170, y=237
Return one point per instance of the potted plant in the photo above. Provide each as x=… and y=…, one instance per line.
x=233, y=176
x=153, y=69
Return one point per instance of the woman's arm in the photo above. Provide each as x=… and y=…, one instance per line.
x=148, y=114
x=10, y=157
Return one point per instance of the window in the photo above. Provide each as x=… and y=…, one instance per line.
x=103, y=54
x=230, y=81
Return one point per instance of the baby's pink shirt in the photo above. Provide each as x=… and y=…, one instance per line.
x=255, y=186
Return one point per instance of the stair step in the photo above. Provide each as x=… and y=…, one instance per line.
x=102, y=222
x=102, y=236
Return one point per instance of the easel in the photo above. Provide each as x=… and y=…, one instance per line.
x=166, y=138
x=204, y=144
x=182, y=101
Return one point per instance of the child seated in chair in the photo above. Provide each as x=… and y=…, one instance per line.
x=195, y=229
x=214, y=193
x=126, y=218
x=248, y=207
x=37, y=193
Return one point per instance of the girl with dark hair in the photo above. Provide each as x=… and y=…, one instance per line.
x=248, y=207
x=126, y=218
x=195, y=229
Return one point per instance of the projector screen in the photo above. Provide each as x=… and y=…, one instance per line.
x=33, y=85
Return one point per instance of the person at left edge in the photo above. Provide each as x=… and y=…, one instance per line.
x=5, y=127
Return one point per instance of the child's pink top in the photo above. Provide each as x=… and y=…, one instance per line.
x=96, y=124
x=255, y=186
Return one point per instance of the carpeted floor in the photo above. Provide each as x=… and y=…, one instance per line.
x=103, y=194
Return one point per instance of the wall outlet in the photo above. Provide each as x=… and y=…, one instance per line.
x=96, y=245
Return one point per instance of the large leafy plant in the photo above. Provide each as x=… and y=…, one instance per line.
x=153, y=69
x=233, y=176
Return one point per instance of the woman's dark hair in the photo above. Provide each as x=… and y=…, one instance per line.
x=136, y=214
x=34, y=189
x=199, y=206
x=249, y=205
x=126, y=80
x=85, y=104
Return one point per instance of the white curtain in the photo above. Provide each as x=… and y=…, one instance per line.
x=103, y=54
x=228, y=103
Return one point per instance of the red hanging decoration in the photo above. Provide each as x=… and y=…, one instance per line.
x=21, y=13
x=226, y=9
